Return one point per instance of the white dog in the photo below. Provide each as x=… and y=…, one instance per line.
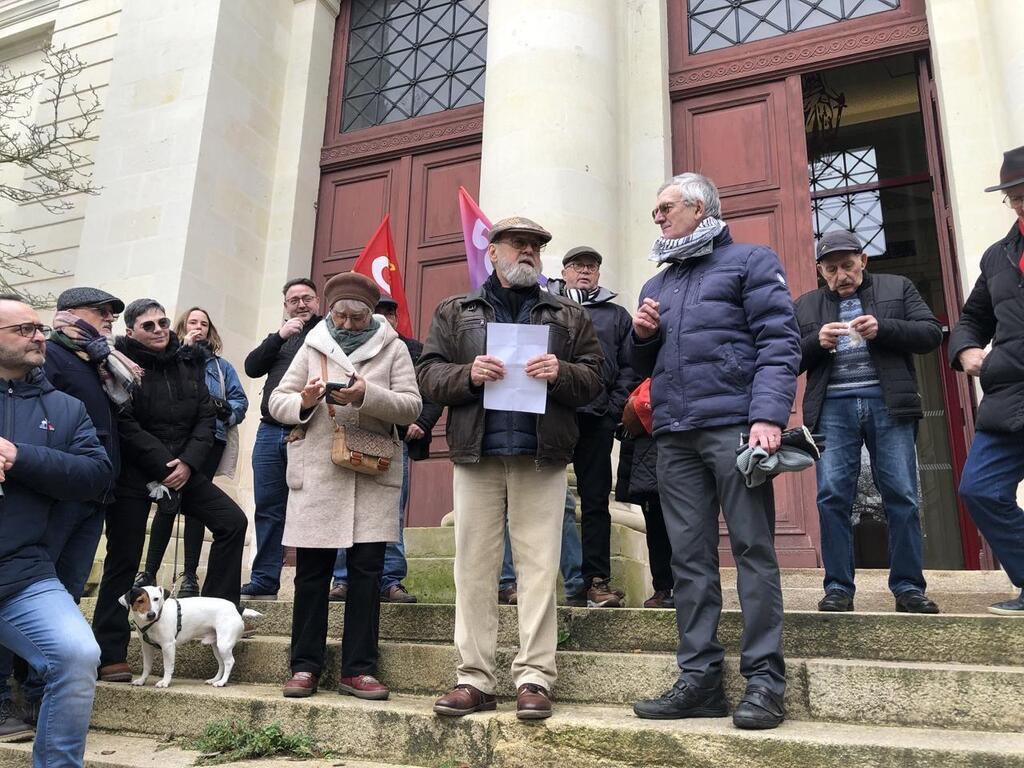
x=162, y=622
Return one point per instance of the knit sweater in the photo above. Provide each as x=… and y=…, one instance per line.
x=854, y=374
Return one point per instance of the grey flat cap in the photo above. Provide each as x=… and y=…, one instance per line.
x=88, y=297
x=581, y=250
x=838, y=241
x=518, y=224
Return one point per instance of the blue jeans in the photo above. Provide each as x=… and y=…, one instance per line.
x=988, y=486
x=848, y=423
x=270, y=491
x=395, y=566
x=43, y=625
x=570, y=562
x=72, y=535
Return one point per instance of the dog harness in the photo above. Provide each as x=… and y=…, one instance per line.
x=145, y=630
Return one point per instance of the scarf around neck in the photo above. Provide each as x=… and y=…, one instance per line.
x=350, y=341
x=119, y=375
x=697, y=243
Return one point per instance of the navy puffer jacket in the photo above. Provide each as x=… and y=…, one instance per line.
x=728, y=349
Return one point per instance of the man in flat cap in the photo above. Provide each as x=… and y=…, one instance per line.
x=994, y=312
x=859, y=334
x=508, y=458
x=592, y=459
x=81, y=362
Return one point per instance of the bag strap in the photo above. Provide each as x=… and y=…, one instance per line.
x=327, y=399
x=220, y=375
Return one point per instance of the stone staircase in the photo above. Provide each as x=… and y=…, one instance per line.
x=865, y=689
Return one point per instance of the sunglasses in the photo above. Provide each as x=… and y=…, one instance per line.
x=150, y=325
x=28, y=330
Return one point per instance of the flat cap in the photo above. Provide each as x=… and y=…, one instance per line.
x=386, y=301
x=352, y=285
x=518, y=224
x=88, y=297
x=581, y=250
x=838, y=241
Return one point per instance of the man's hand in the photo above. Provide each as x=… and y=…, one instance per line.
x=486, y=368
x=8, y=454
x=543, y=367
x=829, y=335
x=866, y=326
x=413, y=432
x=353, y=394
x=311, y=393
x=291, y=327
x=765, y=434
x=647, y=319
x=971, y=360
x=179, y=476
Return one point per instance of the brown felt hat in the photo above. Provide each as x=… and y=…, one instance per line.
x=351, y=285
x=520, y=224
x=1011, y=173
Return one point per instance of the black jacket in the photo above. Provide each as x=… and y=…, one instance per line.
x=613, y=325
x=272, y=358
x=74, y=376
x=905, y=327
x=429, y=414
x=637, y=477
x=995, y=312
x=59, y=459
x=171, y=415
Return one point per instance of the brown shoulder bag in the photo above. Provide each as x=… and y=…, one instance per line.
x=358, y=449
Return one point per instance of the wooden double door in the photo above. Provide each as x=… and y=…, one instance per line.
x=420, y=191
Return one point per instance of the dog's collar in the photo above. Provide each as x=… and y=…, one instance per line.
x=144, y=630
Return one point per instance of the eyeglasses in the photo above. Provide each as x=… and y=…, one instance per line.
x=28, y=330
x=103, y=312
x=294, y=301
x=150, y=325
x=340, y=318
x=575, y=266
x=522, y=243
x=1013, y=201
x=663, y=208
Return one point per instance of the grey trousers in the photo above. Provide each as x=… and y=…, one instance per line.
x=697, y=477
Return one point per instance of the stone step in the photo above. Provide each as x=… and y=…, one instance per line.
x=404, y=730
x=115, y=750
x=971, y=697
x=868, y=636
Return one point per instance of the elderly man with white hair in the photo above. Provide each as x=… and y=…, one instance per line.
x=716, y=333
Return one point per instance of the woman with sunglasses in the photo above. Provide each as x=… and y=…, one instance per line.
x=166, y=433
x=195, y=329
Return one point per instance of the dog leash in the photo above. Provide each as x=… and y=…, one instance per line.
x=144, y=631
x=175, y=576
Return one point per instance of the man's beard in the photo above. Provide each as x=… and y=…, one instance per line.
x=518, y=274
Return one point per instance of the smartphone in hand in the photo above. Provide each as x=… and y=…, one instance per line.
x=334, y=386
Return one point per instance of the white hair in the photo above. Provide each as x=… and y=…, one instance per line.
x=696, y=188
x=352, y=306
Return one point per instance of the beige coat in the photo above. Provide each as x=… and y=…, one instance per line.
x=330, y=506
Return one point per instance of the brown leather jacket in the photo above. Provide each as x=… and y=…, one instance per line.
x=458, y=333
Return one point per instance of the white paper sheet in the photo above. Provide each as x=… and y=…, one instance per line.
x=514, y=345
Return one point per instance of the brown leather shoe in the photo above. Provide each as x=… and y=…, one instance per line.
x=397, y=593
x=338, y=593
x=508, y=596
x=364, y=687
x=115, y=673
x=601, y=595
x=662, y=598
x=463, y=699
x=301, y=685
x=532, y=702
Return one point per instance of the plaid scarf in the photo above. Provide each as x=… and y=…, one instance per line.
x=119, y=376
x=697, y=243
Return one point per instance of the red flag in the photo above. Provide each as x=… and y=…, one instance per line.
x=379, y=262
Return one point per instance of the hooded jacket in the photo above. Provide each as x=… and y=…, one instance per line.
x=59, y=459
x=613, y=325
x=170, y=416
x=995, y=312
x=728, y=347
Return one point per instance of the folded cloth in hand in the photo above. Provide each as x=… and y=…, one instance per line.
x=757, y=465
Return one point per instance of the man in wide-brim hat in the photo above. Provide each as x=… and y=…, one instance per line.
x=994, y=312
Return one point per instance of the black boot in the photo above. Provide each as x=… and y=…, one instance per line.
x=189, y=585
x=144, y=579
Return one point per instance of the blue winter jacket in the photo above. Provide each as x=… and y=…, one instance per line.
x=231, y=391
x=59, y=459
x=728, y=349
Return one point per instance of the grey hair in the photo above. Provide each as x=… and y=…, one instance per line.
x=352, y=306
x=696, y=188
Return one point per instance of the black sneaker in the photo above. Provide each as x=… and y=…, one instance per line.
x=1013, y=607
x=11, y=728
x=684, y=700
x=759, y=709
x=836, y=601
x=251, y=592
x=144, y=579
x=915, y=602
x=188, y=586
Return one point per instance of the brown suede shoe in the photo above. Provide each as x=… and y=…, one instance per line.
x=115, y=673
x=301, y=685
x=364, y=687
x=532, y=702
x=464, y=699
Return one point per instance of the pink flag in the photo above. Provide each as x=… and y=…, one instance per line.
x=475, y=227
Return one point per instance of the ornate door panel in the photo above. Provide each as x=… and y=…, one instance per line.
x=750, y=141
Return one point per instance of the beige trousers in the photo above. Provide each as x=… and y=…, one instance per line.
x=535, y=500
